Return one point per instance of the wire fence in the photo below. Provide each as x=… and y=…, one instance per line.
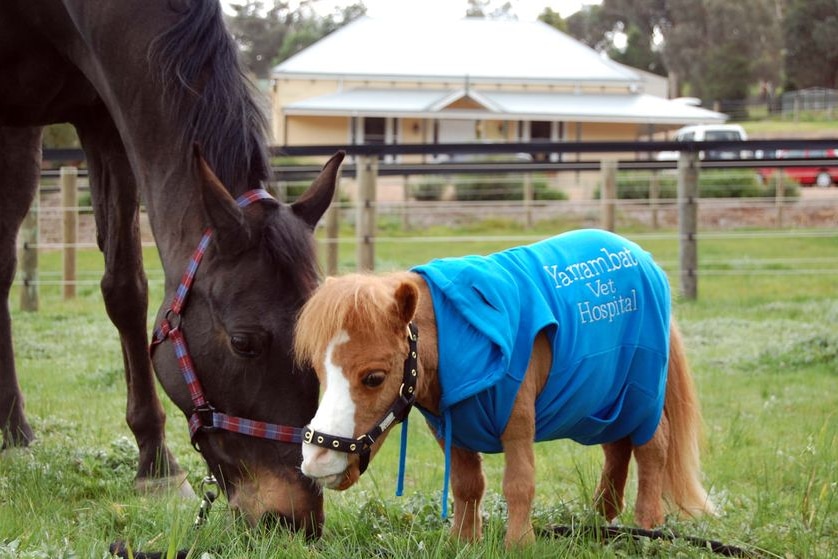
x=730, y=204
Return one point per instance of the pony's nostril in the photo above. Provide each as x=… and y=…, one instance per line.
x=320, y=455
x=316, y=460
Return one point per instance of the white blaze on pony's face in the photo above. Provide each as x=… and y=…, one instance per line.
x=336, y=416
x=353, y=332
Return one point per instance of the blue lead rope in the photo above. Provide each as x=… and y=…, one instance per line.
x=402, y=460
x=447, y=475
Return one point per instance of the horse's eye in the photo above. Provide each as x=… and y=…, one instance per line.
x=373, y=379
x=246, y=345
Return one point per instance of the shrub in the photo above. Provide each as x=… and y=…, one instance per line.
x=712, y=183
x=430, y=189
x=491, y=187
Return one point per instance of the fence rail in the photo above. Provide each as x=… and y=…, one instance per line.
x=369, y=163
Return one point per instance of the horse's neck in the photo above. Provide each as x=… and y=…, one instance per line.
x=428, y=390
x=177, y=227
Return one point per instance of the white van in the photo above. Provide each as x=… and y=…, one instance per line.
x=707, y=133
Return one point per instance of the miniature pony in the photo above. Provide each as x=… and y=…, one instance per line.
x=570, y=337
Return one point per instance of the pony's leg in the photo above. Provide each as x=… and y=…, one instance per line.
x=608, y=498
x=519, y=483
x=467, y=485
x=518, y=448
x=20, y=164
x=651, y=470
x=125, y=292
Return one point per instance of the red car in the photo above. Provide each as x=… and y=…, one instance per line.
x=822, y=176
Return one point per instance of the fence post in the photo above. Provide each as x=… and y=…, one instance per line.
x=332, y=233
x=366, y=173
x=528, y=198
x=29, y=258
x=688, y=222
x=779, y=196
x=406, y=200
x=654, y=196
x=70, y=202
x=609, y=192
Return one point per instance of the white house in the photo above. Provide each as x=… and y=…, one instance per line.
x=379, y=81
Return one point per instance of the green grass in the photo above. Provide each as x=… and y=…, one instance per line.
x=764, y=349
x=807, y=125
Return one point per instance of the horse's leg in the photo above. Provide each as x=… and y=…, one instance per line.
x=20, y=165
x=468, y=485
x=518, y=448
x=651, y=469
x=608, y=498
x=125, y=292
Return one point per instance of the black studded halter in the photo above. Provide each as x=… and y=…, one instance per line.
x=395, y=414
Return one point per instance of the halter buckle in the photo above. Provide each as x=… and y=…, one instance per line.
x=173, y=318
x=204, y=413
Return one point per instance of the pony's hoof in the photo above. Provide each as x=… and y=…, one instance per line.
x=177, y=484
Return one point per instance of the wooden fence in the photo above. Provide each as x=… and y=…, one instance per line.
x=367, y=171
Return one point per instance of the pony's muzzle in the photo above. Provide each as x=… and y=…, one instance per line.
x=326, y=467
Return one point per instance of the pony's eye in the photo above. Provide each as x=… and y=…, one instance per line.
x=373, y=379
x=246, y=345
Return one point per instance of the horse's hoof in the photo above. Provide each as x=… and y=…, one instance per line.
x=19, y=437
x=177, y=484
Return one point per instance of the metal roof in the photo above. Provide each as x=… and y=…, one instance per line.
x=476, y=50
x=503, y=105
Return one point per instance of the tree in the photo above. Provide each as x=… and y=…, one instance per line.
x=597, y=27
x=811, y=57
x=484, y=9
x=307, y=30
x=717, y=47
x=591, y=26
x=639, y=52
x=720, y=47
x=267, y=35
x=260, y=32
x=553, y=19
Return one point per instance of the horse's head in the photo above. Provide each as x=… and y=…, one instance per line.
x=353, y=331
x=232, y=336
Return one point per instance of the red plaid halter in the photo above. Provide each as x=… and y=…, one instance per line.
x=204, y=415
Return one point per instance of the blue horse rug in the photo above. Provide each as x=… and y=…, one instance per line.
x=604, y=306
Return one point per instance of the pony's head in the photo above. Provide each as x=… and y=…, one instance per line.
x=353, y=331
x=236, y=323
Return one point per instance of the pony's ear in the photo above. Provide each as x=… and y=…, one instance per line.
x=314, y=202
x=407, y=299
x=220, y=208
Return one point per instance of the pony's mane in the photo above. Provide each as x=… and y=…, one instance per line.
x=340, y=303
x=210, y=99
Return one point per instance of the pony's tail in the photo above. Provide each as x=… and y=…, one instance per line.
x=682, y=479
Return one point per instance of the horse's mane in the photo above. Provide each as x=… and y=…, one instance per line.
x=342, y=303
x=210, y=98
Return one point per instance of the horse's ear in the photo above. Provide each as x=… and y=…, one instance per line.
x=220, y=208
x=314, y=202
x=407, y=299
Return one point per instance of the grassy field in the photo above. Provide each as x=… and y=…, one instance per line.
x=762, y=338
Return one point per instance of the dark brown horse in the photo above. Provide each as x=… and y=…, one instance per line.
x=144, y=82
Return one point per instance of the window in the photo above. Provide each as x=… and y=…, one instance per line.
x=539, y=130
x=375, y=130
